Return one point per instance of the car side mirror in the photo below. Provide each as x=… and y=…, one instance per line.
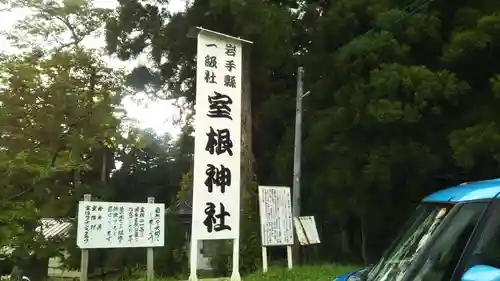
x=482, y=273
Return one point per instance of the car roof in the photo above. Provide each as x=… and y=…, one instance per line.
x=479, y=190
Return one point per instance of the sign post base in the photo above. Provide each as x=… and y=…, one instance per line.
x=235, y=275
x=193, y=260
x=289, y=256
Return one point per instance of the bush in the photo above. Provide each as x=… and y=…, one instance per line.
x=222, y=262
x=172, y=259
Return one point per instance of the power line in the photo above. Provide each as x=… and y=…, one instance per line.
x=410, y=13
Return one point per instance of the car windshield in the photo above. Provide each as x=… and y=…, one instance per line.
x=437, y=262
x=416, y=233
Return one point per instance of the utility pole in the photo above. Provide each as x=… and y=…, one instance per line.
x=298, y=144
x=297, y=156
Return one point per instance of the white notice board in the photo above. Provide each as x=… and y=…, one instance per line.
x=276, y=223
x=307, y=232
x=120, y=225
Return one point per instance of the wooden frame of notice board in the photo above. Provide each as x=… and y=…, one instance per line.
x=109, y=225
x=276, y=221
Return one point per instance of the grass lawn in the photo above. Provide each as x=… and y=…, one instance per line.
x=304, y=273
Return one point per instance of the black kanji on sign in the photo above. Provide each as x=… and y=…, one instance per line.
x=211, y=45
x=211, y=219
x=219, y=142
x=210, y=77
x=230, y=65
x=211, y=61
x=217, y=177
x=219, y=106
x=230, y=50
x=230, y=81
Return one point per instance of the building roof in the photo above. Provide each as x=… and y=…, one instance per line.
x=184, y=208
x=479, y=190
x=51, y=228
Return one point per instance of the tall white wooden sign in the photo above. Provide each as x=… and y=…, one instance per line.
x=120, y=225
x=276, y=221
x=216, y=179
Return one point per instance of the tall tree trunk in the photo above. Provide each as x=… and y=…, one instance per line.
x=249, y=241
x=344, y=241
x=77, y=178
x=103, y=165
x=364, y=254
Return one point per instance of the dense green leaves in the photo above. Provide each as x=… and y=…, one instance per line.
x=403, y=98
x=403, y=102
x=54, y=25
x=56, y=111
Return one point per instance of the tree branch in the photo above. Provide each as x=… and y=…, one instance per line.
x=19, y=194
x=76, y=38
x=351, y=127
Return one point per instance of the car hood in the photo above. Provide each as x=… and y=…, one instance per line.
x=344, y=277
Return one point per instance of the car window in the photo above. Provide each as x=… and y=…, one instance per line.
x=417, y=233
x=448, y=247
x=486, y=250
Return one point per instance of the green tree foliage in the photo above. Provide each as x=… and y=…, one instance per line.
x=58, y=116
x=173, y=53
x=157, y=163
x=56, y=112
x=54, y=25
x=404, y=97
x=150, y=166
x=399, y=120
x=62, y=133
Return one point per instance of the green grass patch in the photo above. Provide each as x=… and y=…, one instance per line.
x=325, y=272
x=303, y=273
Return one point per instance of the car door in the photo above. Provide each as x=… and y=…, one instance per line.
x=484, y=247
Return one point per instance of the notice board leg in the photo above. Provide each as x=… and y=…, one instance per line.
x=84, y=263
x=289, y=256
x=193, y=260
x=307, y=253
x=264, y=259
x=235, y=275
x=150, y=255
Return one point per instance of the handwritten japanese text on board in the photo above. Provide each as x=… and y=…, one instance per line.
x=216, y=181
x=120, y=225
x=276, y=222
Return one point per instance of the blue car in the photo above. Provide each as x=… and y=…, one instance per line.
x=454, y=235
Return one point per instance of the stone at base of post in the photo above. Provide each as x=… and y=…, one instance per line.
x=235, y=275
